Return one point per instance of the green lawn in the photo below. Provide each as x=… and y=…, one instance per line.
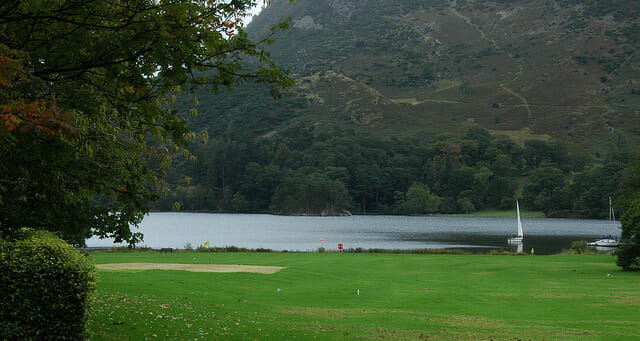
x=402, y=296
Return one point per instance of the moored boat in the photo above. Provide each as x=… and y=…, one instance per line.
x=607, y=241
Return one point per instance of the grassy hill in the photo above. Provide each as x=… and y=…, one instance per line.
x=566, y=70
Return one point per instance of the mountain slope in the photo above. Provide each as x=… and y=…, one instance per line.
x=564, y=69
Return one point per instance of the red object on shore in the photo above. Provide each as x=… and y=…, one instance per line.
x=339, y=246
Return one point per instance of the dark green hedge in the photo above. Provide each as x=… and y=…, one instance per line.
x=45, y=287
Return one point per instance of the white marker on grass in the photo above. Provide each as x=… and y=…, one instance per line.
x=358, y=292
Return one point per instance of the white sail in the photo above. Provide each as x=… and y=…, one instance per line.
x=520, y=234
x=517, y=238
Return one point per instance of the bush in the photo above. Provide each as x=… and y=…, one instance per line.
x=46, y=285
x=580, y=247
x=628, y=257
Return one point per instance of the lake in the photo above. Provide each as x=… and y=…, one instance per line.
x=295, y=233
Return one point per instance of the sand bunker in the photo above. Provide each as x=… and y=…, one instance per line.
x=192, y=267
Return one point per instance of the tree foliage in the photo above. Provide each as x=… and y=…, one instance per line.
x=629, y=254
x=467, y=173
x=419, y=200
x=86, y=129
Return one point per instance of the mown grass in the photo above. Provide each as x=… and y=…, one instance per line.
x=402, y=296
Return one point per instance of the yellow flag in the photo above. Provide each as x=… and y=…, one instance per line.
x=206, y=243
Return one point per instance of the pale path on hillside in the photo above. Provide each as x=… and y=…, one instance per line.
x=525, y=103
x=469, y=22
x=495, y=45
x=192, y=267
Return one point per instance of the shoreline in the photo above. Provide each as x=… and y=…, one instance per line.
x=479, y=214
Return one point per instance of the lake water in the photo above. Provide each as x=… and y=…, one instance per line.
x=293, y=233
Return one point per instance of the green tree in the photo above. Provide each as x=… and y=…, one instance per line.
x=86, y=129
x=592, y=188
x=539, y=153
x=419, y=200
x=629, y=197
x=258, y=185
x=546, y=190
x=313, y=193
x=482, y=179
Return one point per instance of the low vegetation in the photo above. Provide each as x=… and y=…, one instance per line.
x=368, y=296
x=46, y=288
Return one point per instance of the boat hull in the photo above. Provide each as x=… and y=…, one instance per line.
x=605, y=243
x=515, y=240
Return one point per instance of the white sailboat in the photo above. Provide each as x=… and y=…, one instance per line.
x=607, y=241
x=517, y=238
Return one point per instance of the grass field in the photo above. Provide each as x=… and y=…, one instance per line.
x=401, y=296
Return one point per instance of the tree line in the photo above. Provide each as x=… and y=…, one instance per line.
x=300, y=171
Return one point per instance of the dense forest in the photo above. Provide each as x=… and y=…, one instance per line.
x=300, y=171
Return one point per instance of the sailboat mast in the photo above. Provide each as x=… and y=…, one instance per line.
x=612, y=214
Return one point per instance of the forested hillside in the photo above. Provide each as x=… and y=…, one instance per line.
x=299, y=171
x=415, y=107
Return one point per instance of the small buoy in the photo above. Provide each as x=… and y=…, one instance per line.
x=321, y=239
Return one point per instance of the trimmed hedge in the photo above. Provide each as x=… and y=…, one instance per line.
x=45, y=287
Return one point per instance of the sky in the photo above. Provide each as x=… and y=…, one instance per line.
x=253, y=12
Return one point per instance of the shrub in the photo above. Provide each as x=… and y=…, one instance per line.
x=580, y=247
x=628, y=257
x=46, y=285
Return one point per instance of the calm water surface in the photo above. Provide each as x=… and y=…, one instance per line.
x=253, y=231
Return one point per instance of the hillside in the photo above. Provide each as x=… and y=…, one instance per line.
x=420, y=107
x=565, y=69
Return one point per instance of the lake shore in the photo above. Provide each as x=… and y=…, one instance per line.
x=496, y=214
x=485, y=214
